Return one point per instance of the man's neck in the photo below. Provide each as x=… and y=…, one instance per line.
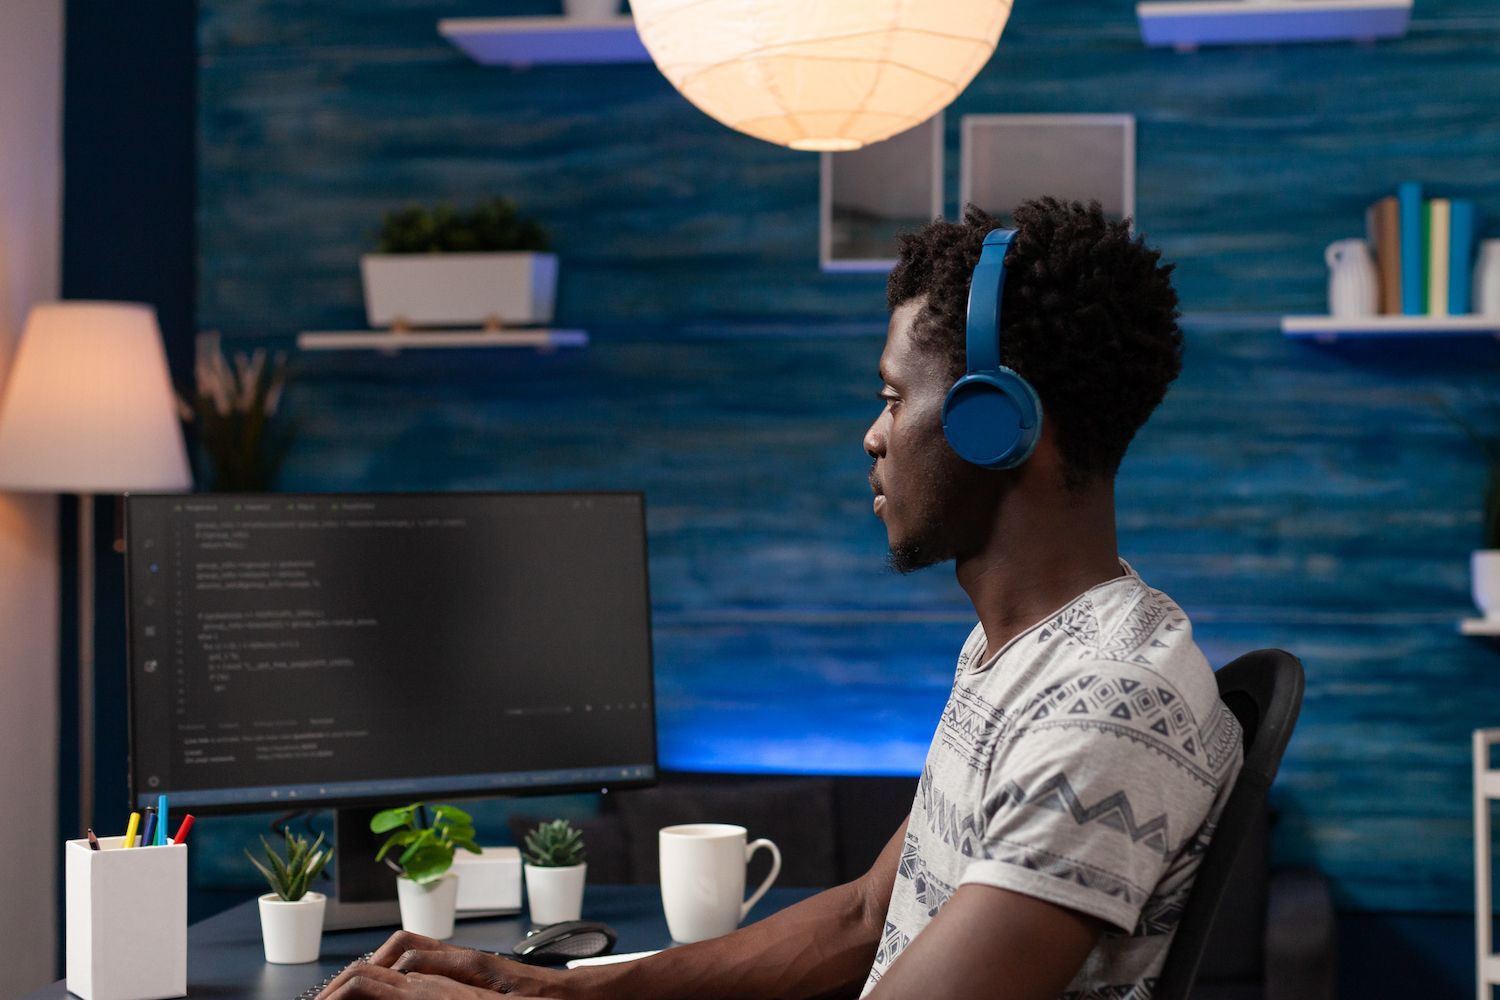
x=1044, y=551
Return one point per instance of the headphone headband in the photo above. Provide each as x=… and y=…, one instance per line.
x=986, y=290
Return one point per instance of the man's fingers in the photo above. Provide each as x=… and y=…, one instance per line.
x=464, y=965
x=401, y=942
x=370, y=982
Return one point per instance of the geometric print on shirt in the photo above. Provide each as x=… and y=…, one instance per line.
x=1125, y=991
x=970, y=726
x=931, y=891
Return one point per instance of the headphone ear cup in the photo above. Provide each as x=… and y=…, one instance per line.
x=992, y=419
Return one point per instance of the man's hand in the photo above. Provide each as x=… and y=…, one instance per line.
x=412, y=953
x=373, y=982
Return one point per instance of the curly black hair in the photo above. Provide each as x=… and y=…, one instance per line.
x=1089, y=316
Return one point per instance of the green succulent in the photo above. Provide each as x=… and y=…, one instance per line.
x=427, y=850
x=290, y=875
x=554, y=845
x=492, y=225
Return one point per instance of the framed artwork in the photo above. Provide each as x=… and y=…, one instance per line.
x=1007, y=159
x=870, y=195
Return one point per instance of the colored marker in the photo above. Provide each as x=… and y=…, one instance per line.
x=150, y=829
x=161, y=820
x=93, y=840
x=130, y=828
x=182, y=831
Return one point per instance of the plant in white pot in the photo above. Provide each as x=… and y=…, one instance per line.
x=426, y=889
x=555, y=872
x=442, y=267
x=291, y=916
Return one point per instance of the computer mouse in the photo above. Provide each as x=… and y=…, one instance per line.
x=558, y=943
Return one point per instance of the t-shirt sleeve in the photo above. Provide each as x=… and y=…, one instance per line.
x=1089, y=811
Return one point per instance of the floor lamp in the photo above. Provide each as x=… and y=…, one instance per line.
x=89, y=408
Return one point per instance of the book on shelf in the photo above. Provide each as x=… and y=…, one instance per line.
x=1463, y=230
x=1413, y=255
x=1383, y=227
x=1438, y=214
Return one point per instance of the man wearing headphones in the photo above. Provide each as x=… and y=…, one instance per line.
x=1084, y=756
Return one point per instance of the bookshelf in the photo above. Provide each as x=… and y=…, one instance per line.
x=1330, y=328
x=391, y=342
x=527, y=41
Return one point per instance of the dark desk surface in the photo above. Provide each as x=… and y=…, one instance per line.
x=225, y=959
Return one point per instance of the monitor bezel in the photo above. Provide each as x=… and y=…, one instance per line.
x=461, y=792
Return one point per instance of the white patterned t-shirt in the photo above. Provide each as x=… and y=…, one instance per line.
x=1085, y=764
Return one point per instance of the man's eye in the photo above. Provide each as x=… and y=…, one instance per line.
x=886, y=396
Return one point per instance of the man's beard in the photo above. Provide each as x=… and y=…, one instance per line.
x=952, y=520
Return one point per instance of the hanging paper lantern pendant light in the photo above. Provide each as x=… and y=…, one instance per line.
x=828, y=75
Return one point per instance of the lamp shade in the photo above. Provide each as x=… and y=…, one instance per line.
x=89, y=406
x=832, y=75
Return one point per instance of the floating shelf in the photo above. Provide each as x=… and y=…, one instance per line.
x=384, y=340
x=1329, y=328
x=1187, y=24
x=1479, y=626
x=526, y=41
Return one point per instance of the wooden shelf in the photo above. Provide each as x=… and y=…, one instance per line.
x=1187, y=24
x=1328, y=328
x=526, y=41
x=384, y=340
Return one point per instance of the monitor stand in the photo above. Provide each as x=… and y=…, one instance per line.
x=364, y=893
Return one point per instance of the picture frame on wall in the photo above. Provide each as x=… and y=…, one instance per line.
x=1007, y=159
x=869, y=196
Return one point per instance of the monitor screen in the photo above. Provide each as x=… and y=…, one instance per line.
x=296, y=649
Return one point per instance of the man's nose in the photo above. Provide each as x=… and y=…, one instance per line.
x=875, y=441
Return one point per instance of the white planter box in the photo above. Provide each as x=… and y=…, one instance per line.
x=490, y=880
x=454, y=289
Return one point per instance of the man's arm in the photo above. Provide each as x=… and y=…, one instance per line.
x=994, y=944
x=820, y=948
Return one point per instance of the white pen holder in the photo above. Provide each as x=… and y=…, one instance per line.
x=127, y=920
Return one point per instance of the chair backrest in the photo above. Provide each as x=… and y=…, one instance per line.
x=1264, y=691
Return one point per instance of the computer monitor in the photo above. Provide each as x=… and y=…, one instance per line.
x=307, y=650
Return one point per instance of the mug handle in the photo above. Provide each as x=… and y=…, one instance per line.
x=1332, y=253
x=750, y=850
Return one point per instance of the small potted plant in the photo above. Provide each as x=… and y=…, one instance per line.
x=241, y=444
x=427, y=890
x=291, y=916
x=442, y=267
x=555, y=872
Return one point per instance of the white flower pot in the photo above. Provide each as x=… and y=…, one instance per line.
x=292, y=932
x=454, y=289
x=591, y=10
x=555, y=894
x=428, y=909
x=1484, y=571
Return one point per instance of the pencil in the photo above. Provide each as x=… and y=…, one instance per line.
x=130, y=828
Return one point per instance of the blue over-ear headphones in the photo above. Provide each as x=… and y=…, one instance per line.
x=992, y=416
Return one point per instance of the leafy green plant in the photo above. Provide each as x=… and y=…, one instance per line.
x=426, y=849
x=290, y=875
x=233, y=409
x=554, y=845
x=490, y=226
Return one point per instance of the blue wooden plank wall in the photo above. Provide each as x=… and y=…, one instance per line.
x=1321, y=499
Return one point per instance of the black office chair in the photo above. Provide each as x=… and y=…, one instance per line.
x=1264, y=691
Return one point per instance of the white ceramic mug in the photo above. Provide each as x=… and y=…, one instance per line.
x=703, y=878
x=1353, y=283
x=1487, y=279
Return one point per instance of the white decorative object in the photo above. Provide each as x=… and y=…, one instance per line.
x=591, y=10
x=455, y=289
x=1486, y=790
x=126, y=920
x=1353, y=283
x=703, y=878
x=428, y=908
x=489, y=881
x=555, y=894
x=292, y=932
x=1007, y=159
x=1484, y=580
x=833, y=75
x=1487, y=280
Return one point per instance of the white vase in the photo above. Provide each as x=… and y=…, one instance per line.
x=455, y=289
x=591, y=10
x=1484, y=574
x=1353, y=284
x=1486, y=286
x=292, y=932
x=427, y=909
x=555, y=894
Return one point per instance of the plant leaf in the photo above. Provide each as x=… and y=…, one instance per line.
x=389, y=819
x=453, y=815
